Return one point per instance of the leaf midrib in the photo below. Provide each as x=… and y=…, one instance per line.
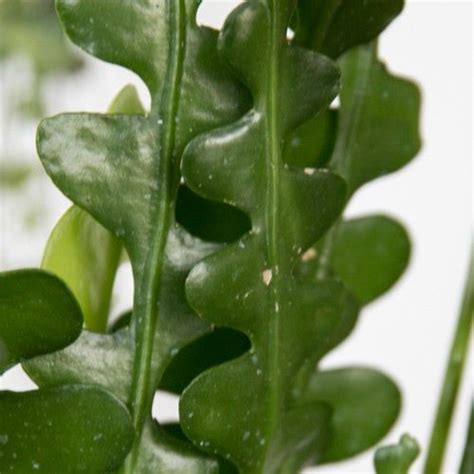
x=272, y=204
x=143, y=381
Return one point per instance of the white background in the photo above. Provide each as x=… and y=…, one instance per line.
x=407, y=332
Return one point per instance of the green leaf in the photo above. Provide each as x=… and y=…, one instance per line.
x=209, y=220
x=14, y=175
x=84, y=254
x=124, y=171
x=244, y=409
x=212, y=349
x=86, y=257
x=396, y=458
x=311, y=144
x=38, y=315
x=467, y=463
x=38, y=433
x=361, y=248
x=378, y=120
x=334, y=26
x=365, y=405
x=369, y=246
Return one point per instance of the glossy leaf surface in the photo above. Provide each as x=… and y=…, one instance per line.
x=365, y=405
x=84, y=254
x=40, y=431
x=396, y=458
x=244, y=409
x=38, y=314
x=124, y=170
x=334, y=26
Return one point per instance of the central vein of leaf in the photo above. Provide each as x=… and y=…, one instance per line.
x=273, y=152
x=147, y=301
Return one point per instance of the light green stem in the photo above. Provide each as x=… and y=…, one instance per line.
x=452, y=379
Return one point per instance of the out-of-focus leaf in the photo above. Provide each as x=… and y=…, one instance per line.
x=38, y=432
x=370, y=254
x=365, y=405
x=85, y=254
x=467, y=462
x=29, y=28
x=378, y=127
x=38, y=314
x=14, y=175
x=362, y=248
x=396, y=458
x=332, y=27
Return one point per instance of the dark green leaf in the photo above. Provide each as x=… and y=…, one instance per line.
x=396, y=458
x=38, y=314
x=365, y=405
x=243, y=409
x=212, y=349
x=84, y=254
x=361, y=248
x=334, y=26
x=311, y=144
x=40, y=433
x=378, y=120
x=209, y=220
x=124, y=171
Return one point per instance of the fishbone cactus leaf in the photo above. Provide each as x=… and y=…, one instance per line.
x=244, y=409
x=84, y=254
x=38, y=314
x=334, y=26
x=124, y=170
x=377, y=133
x=396, y=458
x=38, y=433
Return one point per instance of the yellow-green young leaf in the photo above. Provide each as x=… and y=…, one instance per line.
x=86, y=257
x=38, y=314
x=397, y=458
x=83, y=253
x=39, y=432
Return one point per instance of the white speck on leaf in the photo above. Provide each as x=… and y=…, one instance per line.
x=308, y=255
x=267, y=276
